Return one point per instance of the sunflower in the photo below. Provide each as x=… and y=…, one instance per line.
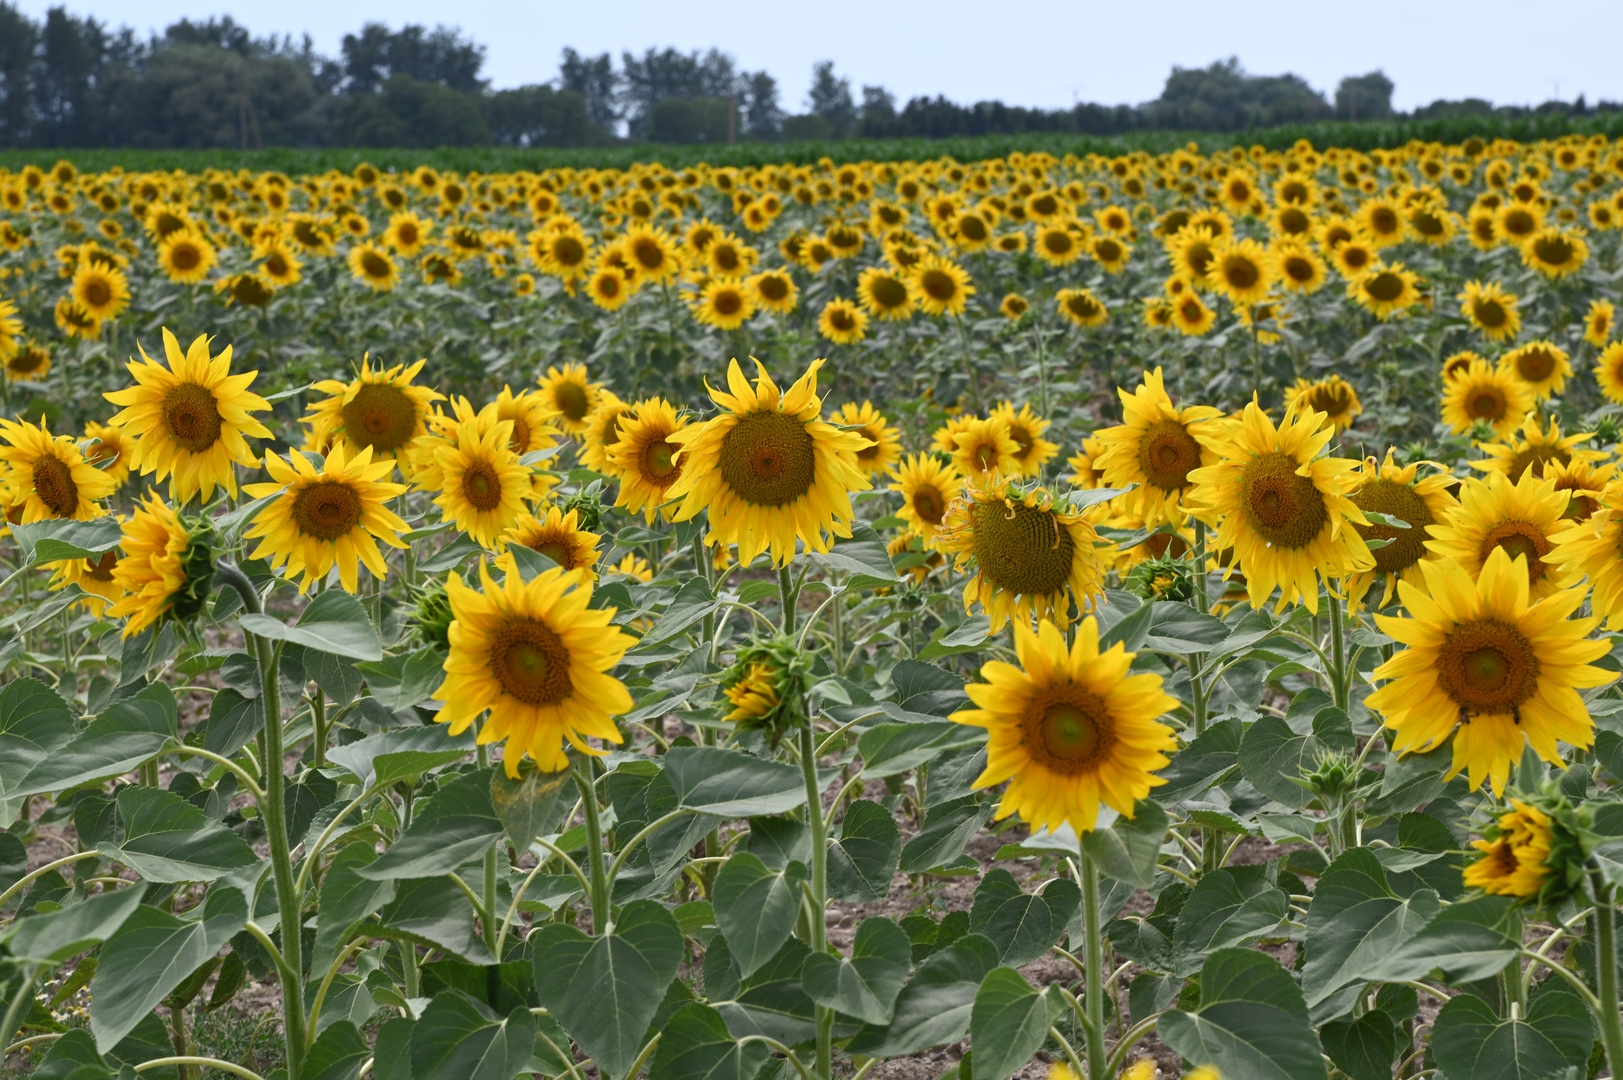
x=1240, y=270
x=842, y=322
x=940, y=286
x=1354, y=257
x=1191, y=250
x=773, y=290
x=161, y=571
x=724, y=303
x=537, y=656
x=50, y=477
x=280, y=267
x=186, y=257
x=1386, y=290
x=1485, y=394
x=884, y=294
x=1383, y=221
x=1609, y=372
x=1489, y=667
x=1584, y=483
x=1331, y=395
x=564, y=253
x=603, y=433
x=377, y=409
x=1014, y=307
x=27, y=363
x=1598, y=322
x=1155, y=448
x=652, y=252
x=106, y=443
x=1491, y=310
x=75, y=321
x=1080, y=307
x=1032, y=557
x=1519, y=516
x=985, y=449
x=101, y=291
x=556, y=535
x=1398, y=492
x=248, y=288
x=928, y=487
x=1069, y=729
x=885, y=441
x=570, y=393
x=1191, y=315
x=95, y=577
x=1556, y=253
x=1283, y=508
x=646, y=458
x=1110, y=252
x=1513, y=854
x=329, y=516
x=609, y=287
x=635, y=566
x=440, y=269
x=1459, y=363
x=1298, y=269
x=1026, y=429
x=482, y=484
x=1593, y=548
x=1540, y=366
x=371, y=266
x=1056, y=245
x=190, y=418
x=1535, y=450
x=767, y=469
x=531, y=419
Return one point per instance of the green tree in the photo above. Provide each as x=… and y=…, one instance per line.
x=411, y=112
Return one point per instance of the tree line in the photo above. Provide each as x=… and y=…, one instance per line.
x=72, y=81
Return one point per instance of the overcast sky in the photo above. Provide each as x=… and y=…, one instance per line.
x=1043, y=53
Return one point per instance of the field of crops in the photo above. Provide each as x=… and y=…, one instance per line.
x=1046, y=615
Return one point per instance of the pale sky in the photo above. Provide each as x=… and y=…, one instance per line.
x=1039, y=53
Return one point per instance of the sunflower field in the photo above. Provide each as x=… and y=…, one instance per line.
x=1048, y=616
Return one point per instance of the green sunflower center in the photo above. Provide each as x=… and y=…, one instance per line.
x=1285, y=509
x=530, y=662
x=1487, y=666
x=1022, y=549
x=769, y=459
x=192, y=416
x=659, y=462
x=1067, y=729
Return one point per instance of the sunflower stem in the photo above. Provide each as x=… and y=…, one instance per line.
x=1339, y=683
x=594, y=847
x=818, y=884
x=788, y=592
x=1203, y=600
x=1611, y=1026
x=488, y=920
x=1094, y=962
x=289, y=902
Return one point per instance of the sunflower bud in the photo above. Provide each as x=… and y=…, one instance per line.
x=767, y=685
x=198, y=565
x=431, y=617
x=1332, y=777
x=1607, y=431
x=1482, y=432
x=1536, y=851
x=588, y=506
x=1162, y=579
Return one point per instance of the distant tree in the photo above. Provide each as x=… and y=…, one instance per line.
x=830, y=98
x=19, y=38
x=1364, y=97
x=205, y=96
x=666, y=73
x=1223, y=97
x=440, y=55
x=598, y=84
x=809, y=127
x=690, y=120
x=763, y=116
x=411, y=112
x=878, y=118
x=541, y=116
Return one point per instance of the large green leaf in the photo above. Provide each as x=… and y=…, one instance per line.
x=335, y=622
x=729, y=783
x=1252, y=1021
x=605, y=990
x=1465, y=942
x=1279, y=750
x=436, y=913
x=864, y=986
x=126, y=734
x=756, y=907
x=1365, y=1048
x=863, y=860
x=346, y=900
x=696, y=1045
x=1469, y=1040
x=1008, y=1023
x=935, y=1005
x=458, y=1038
x=892, y=749
x=693, y=601
x=1227, y=907
x=1129, y=849
x=1356, y=922
x=338, y=1053
x=402, y=754
x=150, y=954
x=773, y=1002
x=530, y=805
x=58, y=935
x=947, y=829
x=66, y=538
x=34, y=722
x=169, y=840
x=1022, y=925
x=451, y=829
x=233, y=721
x=1202, y=762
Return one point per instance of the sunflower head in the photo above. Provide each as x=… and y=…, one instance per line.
x=379, y=409
x=767, y=686
x=167, y=570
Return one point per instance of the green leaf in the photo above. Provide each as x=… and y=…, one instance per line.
x=1227, y=907
x=335, y=622
x=73, y=1057
x=126, y=734
x=1130, y=848
x=458, y=1038
x=692, y=602
x=605, y=990
x=1469, y=1040
x=1202, y=762
x=346, y=900
x=935, y=1005
x=150, y=954
x=451, y=829
x=403, y=754
x=169, y=840
x=401, y=682
x=864, y=986
x=1274, y=752
x=863, y=860
x=1252, y=1021
x=696, y=1045
x=863, y=552
x=729, y=783
x=531, y=805
x=1008, y=1023
x=435, y=913
x=233, y=721
x=1355, y=922
x=1132, y=628
x=756, y=907
x=1412, y=780
x=1365, y=1048
x=1466, y=942
x=55, y=936
x=338, y=1052
x=1022, y=925
x=65, y=538
x=947, y=828
x=773, y=1002
x=892, y=749
x=1180, y=629
x=34, y=723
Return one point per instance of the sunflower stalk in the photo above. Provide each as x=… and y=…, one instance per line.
x=1094, y=962
x=594, y=847
x=1611, y=1024
x=1340, y=680
x=818, y=885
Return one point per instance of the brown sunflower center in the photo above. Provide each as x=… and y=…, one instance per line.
x=1487, y=403
x=1240, y=272
x=1166, y=453
x=53, y=483
x=773, y=288
x=1298, y=268
x=375, y=266
x=1487, y=666
x=1282, y=507
x=481, y=486
x=1519, y=538
x=1022, y=549
x=939, y=285
x=406, y=234
x=1535, y=364
x=769, y=459
x=648, y=254
x=185, y=257
x=887, y=292
x=96, y=293
x=1400, y=501
x=192, y=416
x=571, y=400
x=101, y=567
x=530, y=662
x=381, y=416
x=27, y=361
x=327, y=510
x=1553, y=250
x=1384, y=286
x=555, y=547
x=728, y=302
x=1068, y=729
x=1490, y=313
x=841, y=320
x=929, y=505
x=659, y=462
x=1535, y=456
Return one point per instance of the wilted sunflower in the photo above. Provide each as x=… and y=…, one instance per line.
x=186, y=257
x=1491, y=310
x=768, y=469
x=483, y=486
x=646, y=458
x=884, y=293
x=377, y=409
x=101, y=291
x=774, y=290
x=1609, y=371
x=984, y=449
x=1556, y=253
x=1080, y=307
x=1331, y=395
x=570, y=393
x=1032, y=558
x=1535, y=449
x=842, y=322
x=940, y=286
x=1485, y=394
x=1386, y=291
x=190, y=418
x=164, y=569
x=371, y=266
x=1240, y=270
x=885, y=440
x=558, y=536
x=106, y=443
x=1069, y=728
x=50, y=477
x=1154, y=448
x=1283, y=508
x=1487, y=668
x=1398, y=492
x=1519, y=517
x=326, y=517
x=724, y=303
x=1539, y=365
x=537, y=656
x=928, y=487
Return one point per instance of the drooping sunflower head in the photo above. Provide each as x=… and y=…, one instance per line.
x=1032, y=557
x=1539, y=365
x=1485, y=394
x=1535, y=449
x=1514, y=853
x=885, y=444
x=1331, y=395
x=378, y=409
x=1069, y=728
x=646, y=458
x=1398, y=492
x=1155, y=447
x=557, y=535
x=167, y=568
x=768, y=469
x=1497, y=513
x=570, y=393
